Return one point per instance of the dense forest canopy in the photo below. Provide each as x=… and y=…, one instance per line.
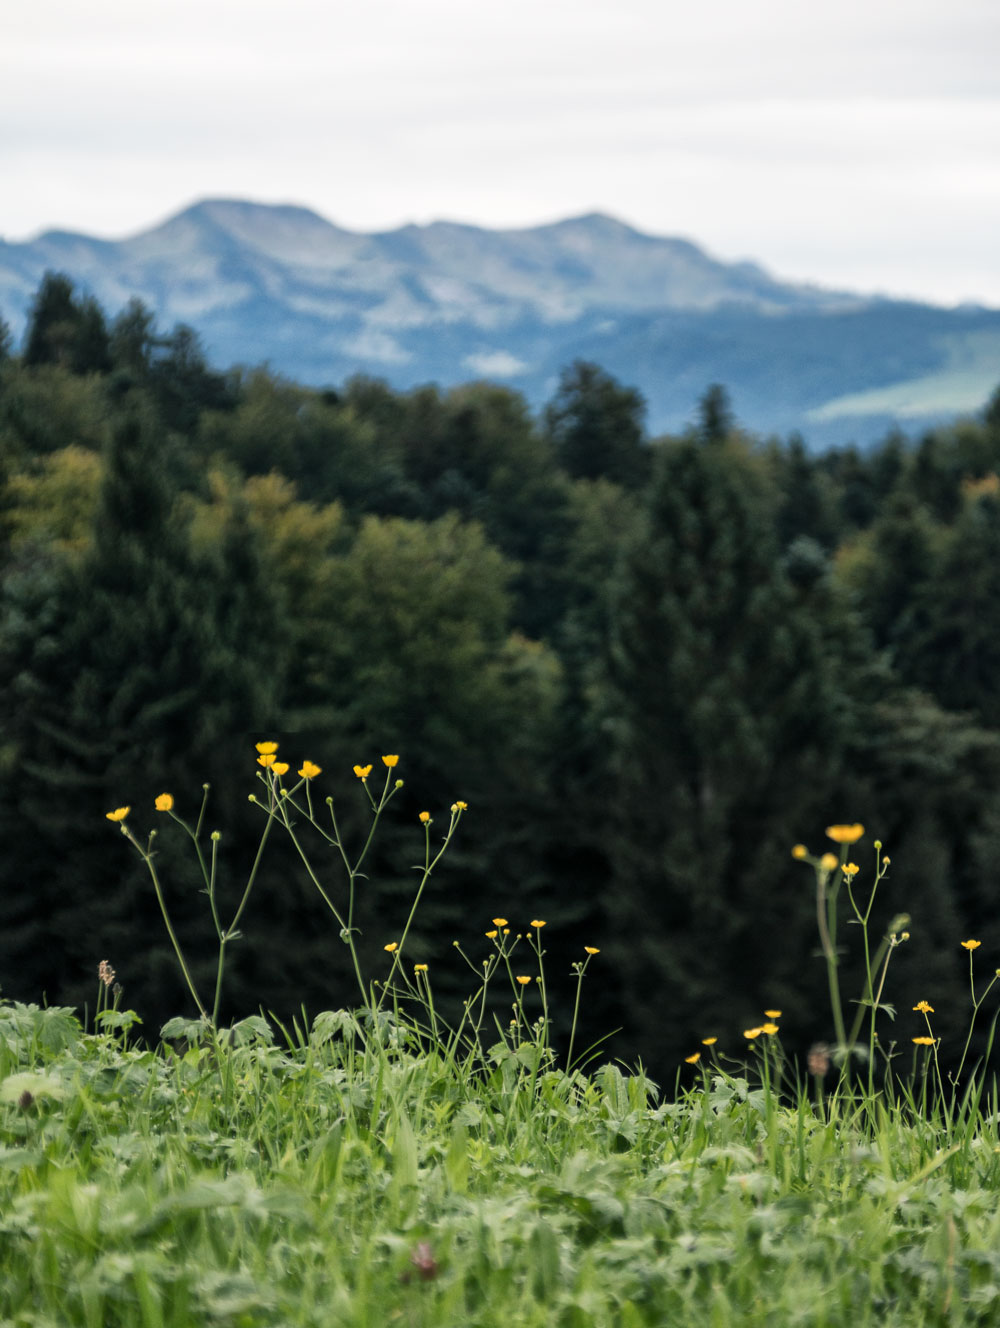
x=649, y=665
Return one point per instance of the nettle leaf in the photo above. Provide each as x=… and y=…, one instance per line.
x=254, y=1028
x=179, y=1027
x=122, y=1020
x=328, y=1023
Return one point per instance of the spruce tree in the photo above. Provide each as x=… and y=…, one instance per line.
x=131, y=671
x=597, y=426
x=951, y=638
x=66, y=330
x=726, y=715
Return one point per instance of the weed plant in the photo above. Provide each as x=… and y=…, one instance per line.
x=383, y=1165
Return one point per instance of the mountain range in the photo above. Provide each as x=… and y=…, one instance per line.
x=447, y=303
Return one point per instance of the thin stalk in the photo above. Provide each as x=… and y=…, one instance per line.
x=826, y=904
x=427, y=869
x=148, y=858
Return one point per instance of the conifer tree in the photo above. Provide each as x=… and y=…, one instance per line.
x=596, y=425
x=726, y=714
x=65, y=330
x=123, y=673
x=951, y=640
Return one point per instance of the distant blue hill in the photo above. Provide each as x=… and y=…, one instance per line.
x=446, y=303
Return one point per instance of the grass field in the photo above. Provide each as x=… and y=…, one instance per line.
x=379, y=1166
x=329, y=1178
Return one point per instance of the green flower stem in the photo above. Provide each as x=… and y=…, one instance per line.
x=424, y=981
x=581, y=969
x=976, y=1004
x=201, y=815
x=427, y=870
x=344, y=929
x=826, y=921
x=148, y=859
x=544, y=992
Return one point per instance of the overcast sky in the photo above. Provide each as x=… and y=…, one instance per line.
x=851, y=142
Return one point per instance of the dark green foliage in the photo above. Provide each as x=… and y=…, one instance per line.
x=66, y=330
x=648, y=668
x=715, y=415
x=728, y=717
x=325, y=445
x=953, y=641
x=805, y=506
x=133, y=340
x=148, y=660
x=596, y=426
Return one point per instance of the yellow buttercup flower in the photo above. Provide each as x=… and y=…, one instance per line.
x=310, y=770
x=924, y=1008
x=591, y=949
x=845, y=834
x=164, y=803
x=537, y=922
x=800, y=851
x=693, y=1060
x=425, y=818
x=267, y=748
x=773, y=1014
x=390, y=761
x=118, y=814
x=459, y=807
x=393, y=945
x=266, y=759
x=420, y=968
x=924, y=1041
x=523, y=981
x=499, y=922
x=850, y=869
x=492, y=935
x=971, y=945
x=770, y=1029
x=280, y=767
x=829, y=862
x=709, y=1042
x=362, y=771
x=751, y=1033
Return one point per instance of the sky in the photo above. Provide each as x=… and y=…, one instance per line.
x=852, y=143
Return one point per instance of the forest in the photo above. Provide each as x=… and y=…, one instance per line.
x=650, y=666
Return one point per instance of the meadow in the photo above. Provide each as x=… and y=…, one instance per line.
x=394, y=1164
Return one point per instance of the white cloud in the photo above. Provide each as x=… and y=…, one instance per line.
x=494, y=364
x=853, y=144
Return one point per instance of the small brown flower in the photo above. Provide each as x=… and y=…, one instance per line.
x=424, y=1262
x=105, y=973
x=818, y=1059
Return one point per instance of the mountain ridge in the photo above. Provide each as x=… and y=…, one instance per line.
x=446, y=301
